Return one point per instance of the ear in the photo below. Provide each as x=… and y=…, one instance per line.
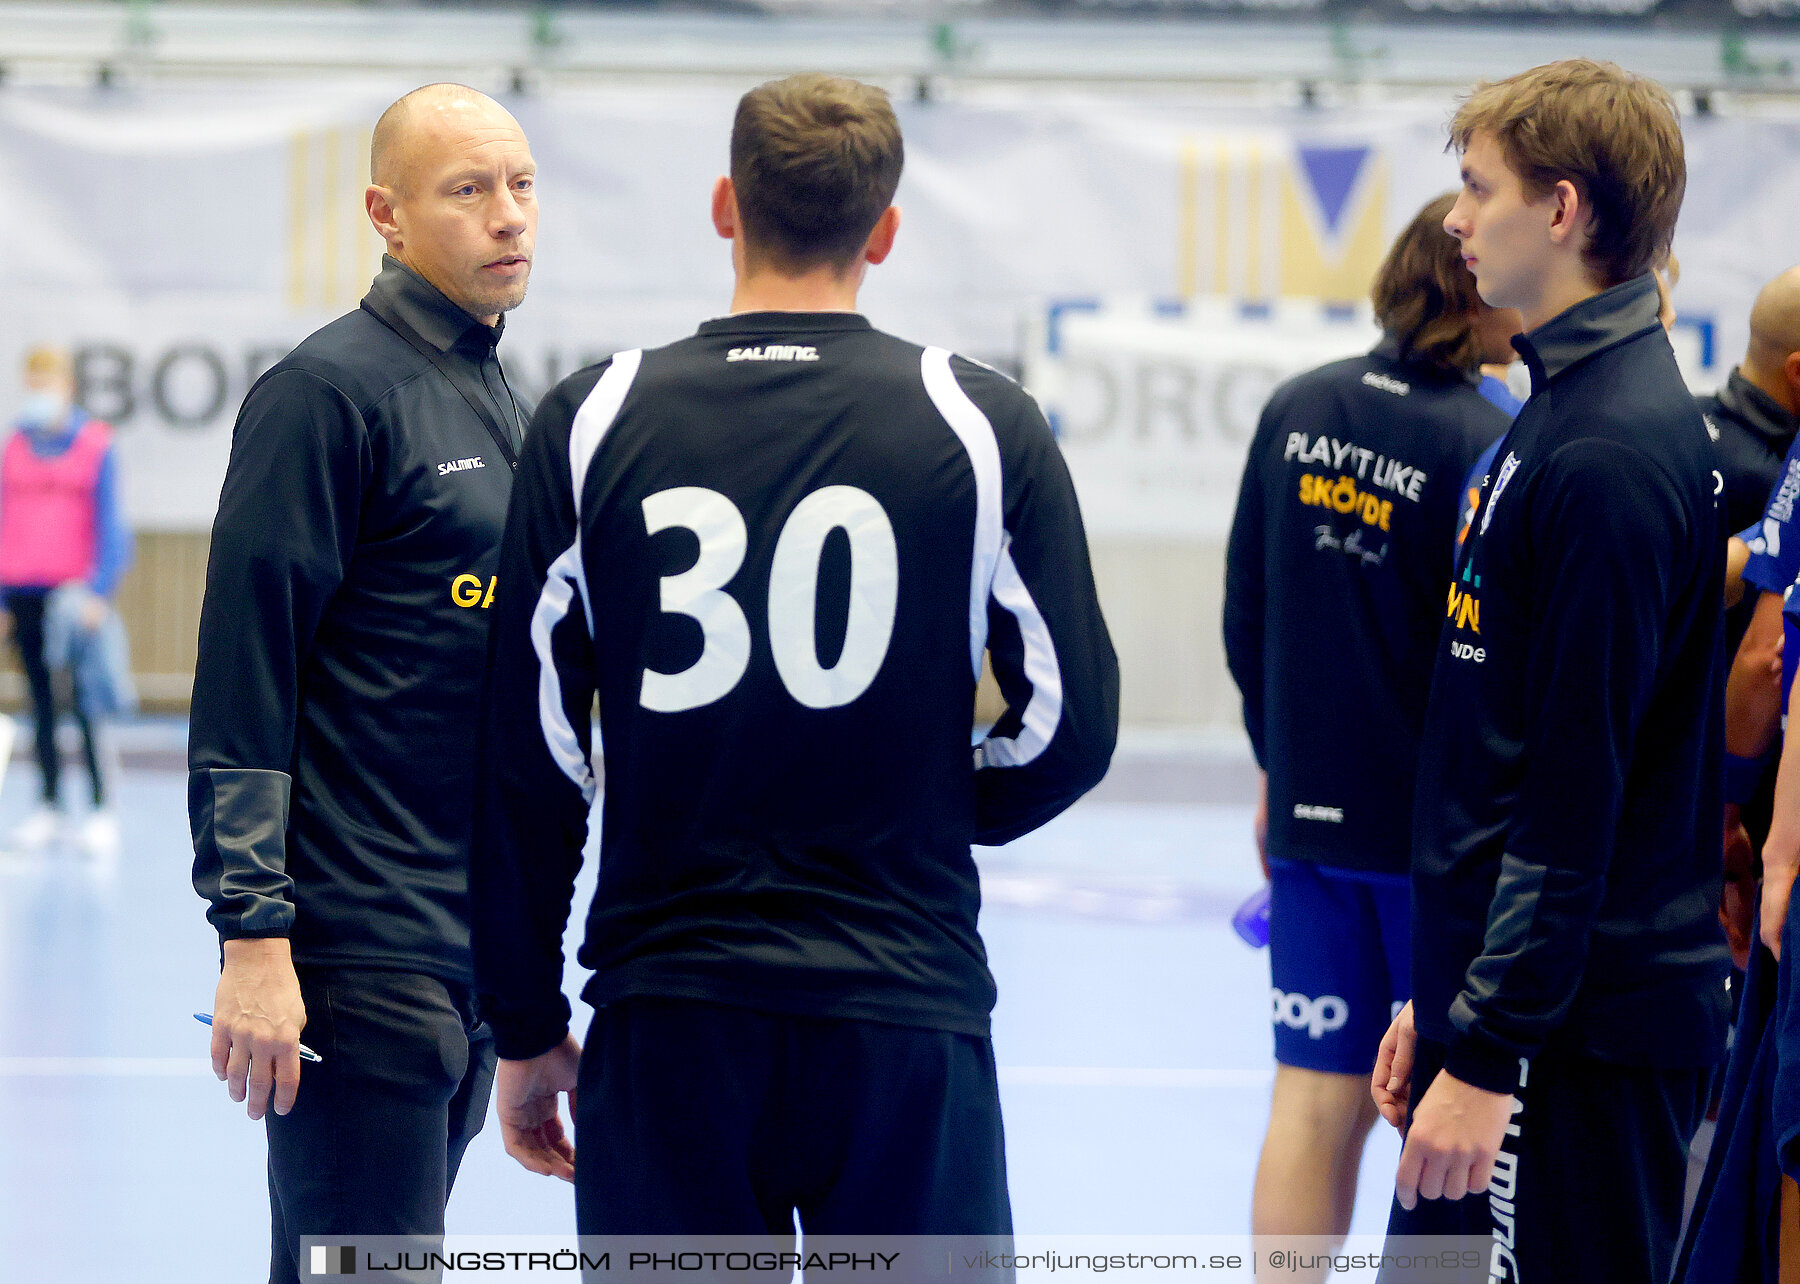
x=379, y=202
x=1569, y=214
x=881, y=237
x=724, y=208
x=1790, y=372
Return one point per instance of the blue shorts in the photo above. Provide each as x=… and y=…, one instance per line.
x=1340, y=960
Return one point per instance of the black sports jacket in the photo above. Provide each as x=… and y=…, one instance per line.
x=777, y=550
x=1566, y=843
x=332, y=749
x=1334, y=589
x=1752, y=433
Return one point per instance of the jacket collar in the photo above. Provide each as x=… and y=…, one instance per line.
x=1757, y=411
x=423, y=306
x=1626, y=311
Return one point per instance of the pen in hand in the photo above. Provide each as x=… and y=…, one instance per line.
x=306, y=1053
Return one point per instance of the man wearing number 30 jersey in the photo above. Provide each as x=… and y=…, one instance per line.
x=777, y=552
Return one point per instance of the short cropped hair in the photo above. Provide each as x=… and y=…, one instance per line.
x=815, y=160
x=1614, y=135
x=1425, y=296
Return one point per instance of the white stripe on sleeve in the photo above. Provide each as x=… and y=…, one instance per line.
x=585, y=435
x=552, y=608
x=567, y=577
x=1044, y=711
x=977, y=436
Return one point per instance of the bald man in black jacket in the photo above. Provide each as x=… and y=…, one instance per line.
x=332, y=750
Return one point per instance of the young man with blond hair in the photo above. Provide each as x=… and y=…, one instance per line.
x=1568, y=965
x=777, y=551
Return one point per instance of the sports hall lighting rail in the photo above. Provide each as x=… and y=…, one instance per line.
x=70, y=42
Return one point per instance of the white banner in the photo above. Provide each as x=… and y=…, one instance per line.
x=1155, y=411
x=1156, y=405
x=181, y=239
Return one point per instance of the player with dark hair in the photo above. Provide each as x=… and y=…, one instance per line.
x=1334, y=586
x=1568, y=967
x=777, y=552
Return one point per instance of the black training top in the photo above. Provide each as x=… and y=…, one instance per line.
x=1566, y=843
x=776, y=550
x=332, y=749
x=1334, y=594
x=1752, y=432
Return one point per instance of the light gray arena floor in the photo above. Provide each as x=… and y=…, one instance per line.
x=1132, y=1036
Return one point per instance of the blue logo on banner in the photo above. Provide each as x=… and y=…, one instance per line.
x=1332, y=173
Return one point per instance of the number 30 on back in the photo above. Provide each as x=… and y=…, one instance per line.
x=793, y=597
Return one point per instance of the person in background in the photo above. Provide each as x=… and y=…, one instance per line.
x=60, y=529
x=1739, y=1230
x=1753, y=419
x=1339, y=556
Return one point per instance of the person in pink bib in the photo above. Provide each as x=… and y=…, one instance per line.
x=60, y=527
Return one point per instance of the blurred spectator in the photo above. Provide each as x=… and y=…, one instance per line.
x=63, y=548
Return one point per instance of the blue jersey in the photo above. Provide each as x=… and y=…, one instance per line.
x=1790, y=644
x=1496, y=391
x=1774, y=542
x=1471, y=494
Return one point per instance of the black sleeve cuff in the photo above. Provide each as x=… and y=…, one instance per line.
x=1482, y=1063
x=239, y=820
x=523, y=1031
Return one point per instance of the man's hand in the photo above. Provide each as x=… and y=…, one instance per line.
x=257, y=1020
x=1737, y=899
x=1391, y=1085
x=525, y=1095
x=1453, y=1142
x=93, y=613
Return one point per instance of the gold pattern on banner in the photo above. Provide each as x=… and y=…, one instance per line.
x=333, y=252
x=1250, y=223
